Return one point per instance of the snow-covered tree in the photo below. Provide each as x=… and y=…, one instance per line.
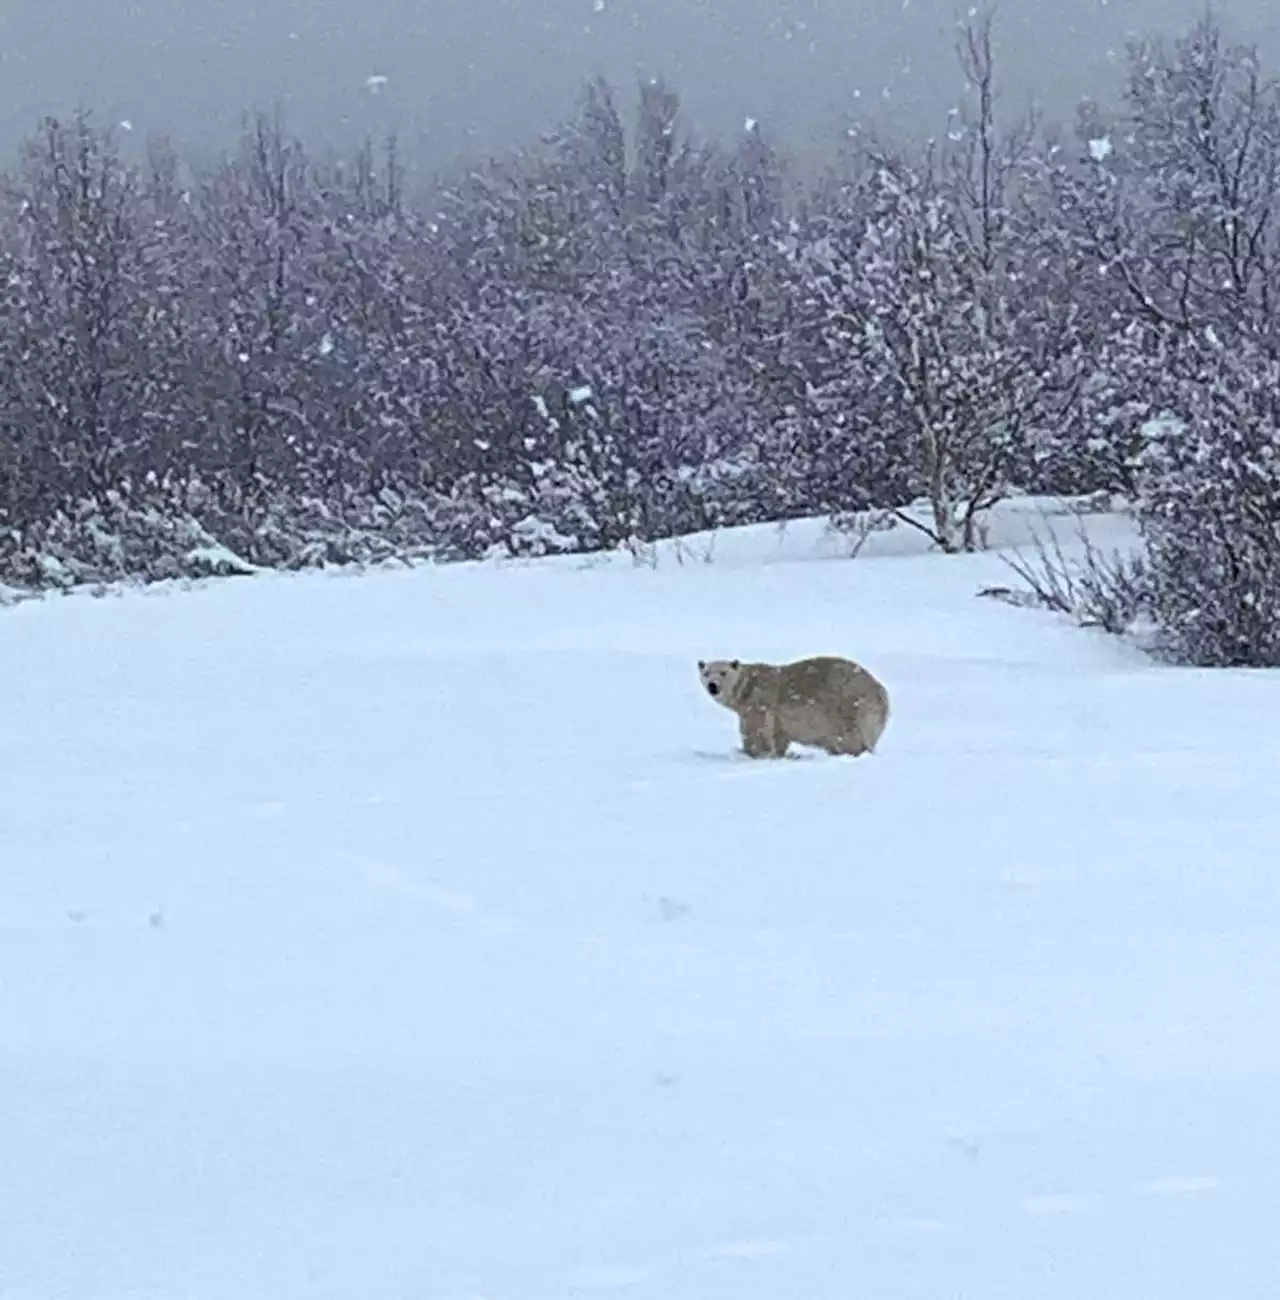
x=90, y=374
x=979, y=366
x=1161, y=222
x=1205, y=122
x=836, y=435
x=620, y=332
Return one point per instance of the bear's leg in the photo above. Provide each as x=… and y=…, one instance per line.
x=779, y=742
x=848, y=743
x=757, y=737
x=869, y=728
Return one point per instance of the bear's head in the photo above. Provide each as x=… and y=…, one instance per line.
x=720, y=678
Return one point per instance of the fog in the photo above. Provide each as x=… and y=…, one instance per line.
x=454, y=77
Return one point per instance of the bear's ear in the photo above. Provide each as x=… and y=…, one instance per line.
x=702, y=663
x=736, y=664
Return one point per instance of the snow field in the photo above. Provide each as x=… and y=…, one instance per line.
x=421, y=935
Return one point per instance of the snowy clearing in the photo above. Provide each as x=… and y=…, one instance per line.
x=420, y=934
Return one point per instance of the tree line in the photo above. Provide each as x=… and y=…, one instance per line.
x=621, y=333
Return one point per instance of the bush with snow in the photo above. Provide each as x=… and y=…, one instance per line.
x=1209, y=510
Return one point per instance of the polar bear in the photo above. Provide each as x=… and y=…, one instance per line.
x=831, y=703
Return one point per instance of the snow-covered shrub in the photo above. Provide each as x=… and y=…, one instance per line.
x=112, y=538
x=1204, y=584
x=192, y=531
x=1209, y=510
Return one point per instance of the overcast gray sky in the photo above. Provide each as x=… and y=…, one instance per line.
x=478, y=74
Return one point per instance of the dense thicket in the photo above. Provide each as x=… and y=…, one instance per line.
x=622, y=333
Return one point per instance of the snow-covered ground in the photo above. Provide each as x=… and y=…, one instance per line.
x=418, y=935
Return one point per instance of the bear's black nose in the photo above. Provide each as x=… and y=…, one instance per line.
x=713, y=688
